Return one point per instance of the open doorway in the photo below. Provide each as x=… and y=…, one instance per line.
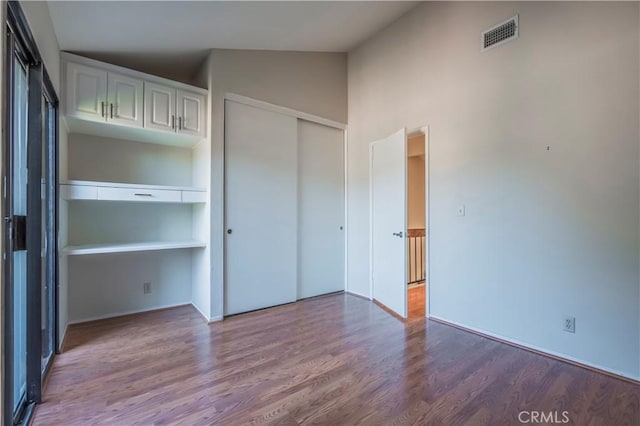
x=416, y=224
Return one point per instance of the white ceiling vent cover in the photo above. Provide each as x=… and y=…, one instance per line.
x=499, y=34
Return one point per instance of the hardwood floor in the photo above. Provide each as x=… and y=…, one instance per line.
x=335, y=360
x=415, y=301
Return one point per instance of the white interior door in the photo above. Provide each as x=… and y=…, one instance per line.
x=388, y=221
x=260, y=208
x=320, y=209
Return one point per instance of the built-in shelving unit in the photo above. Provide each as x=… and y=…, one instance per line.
x=130, y=247
x=134, y=192
x=108, y=191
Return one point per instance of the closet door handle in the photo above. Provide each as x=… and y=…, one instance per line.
x=102, y=109
x=111, y=107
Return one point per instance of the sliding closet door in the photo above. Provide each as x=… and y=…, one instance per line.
x=320, y=209
x=260, y=208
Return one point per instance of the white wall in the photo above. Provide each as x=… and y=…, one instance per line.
x=102, y=159
x=547, y=232
x=315, y=83
x=201, y=177
x=37, y=13
x=201, y=231
x=109, y=285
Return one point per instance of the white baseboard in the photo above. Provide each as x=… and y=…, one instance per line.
x=61, y=338
x=358, y=294
x=121, y=313
x=557, y=355
x=215, y=319
x=208, y=319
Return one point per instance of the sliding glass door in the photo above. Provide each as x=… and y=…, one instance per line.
x=17, y=226
x=30, y=221
x=49, y=225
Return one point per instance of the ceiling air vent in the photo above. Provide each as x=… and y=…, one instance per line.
x=501, y=33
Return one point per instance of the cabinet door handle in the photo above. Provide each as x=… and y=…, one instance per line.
x=111, y=107
x=173, y=121
x=102, y=109
x=143, y=194
x=179, y=123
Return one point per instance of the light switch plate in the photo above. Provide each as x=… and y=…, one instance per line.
x=461, y=210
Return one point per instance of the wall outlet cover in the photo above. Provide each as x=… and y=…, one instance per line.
x=569, y=324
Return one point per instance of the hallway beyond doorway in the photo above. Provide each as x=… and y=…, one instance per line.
x=415, y=301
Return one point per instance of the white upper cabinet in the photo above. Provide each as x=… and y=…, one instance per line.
x=125, y=100
x=97, y=95
x=111, y=101
x=174, y=110
x=191, y=116
x=86, y=92
x=160, y=107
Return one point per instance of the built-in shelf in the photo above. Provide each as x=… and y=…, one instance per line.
x=137, y=212
x=130, y=247
x=108, y=191
x=115, y=131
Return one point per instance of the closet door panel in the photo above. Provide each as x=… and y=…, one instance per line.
x=320, y=209
x=260, y=208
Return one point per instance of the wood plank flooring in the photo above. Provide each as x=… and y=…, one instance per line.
x=335, y=360
x=415, y=301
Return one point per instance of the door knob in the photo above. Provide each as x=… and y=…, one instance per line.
x=229, y=231
x=398, y=234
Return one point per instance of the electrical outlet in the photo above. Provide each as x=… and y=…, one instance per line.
x=146, y=288
x=569, y=324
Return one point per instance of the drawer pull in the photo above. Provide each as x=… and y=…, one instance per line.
x=142, y=195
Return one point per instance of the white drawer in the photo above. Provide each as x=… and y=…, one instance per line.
x=76, y=192
x=144, y=195
x=194, y=197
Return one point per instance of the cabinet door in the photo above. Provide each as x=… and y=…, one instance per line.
x=86, y=92
x=159, y=107
x=191, y=113
x=125, y=95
